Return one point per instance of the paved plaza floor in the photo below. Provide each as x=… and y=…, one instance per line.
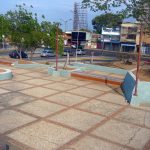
x=38, y=111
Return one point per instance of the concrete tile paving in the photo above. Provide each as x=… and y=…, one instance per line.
x=3, y=91
x=77, y=82
x=113, y=98
x=83, y=91
x=15, y=86
x=43, y=135
x=90, y=143
x=14, y=98
x=38, y=81
x=101, y=87
x=100, y=107
x=139, y=117
x=20, y=78
x=123, y=133
x=66, y=99
x=38, y=92
x=77, y=119
x=40, y=108
x=10, y=119
x=44, y=112
x=60, y=86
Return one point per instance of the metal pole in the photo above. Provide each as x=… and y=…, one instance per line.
x=3, y=41
x=138, y=62
x=57, y=48
x=77, y=46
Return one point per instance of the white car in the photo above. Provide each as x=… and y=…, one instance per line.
x=47, y=53
x=80, y=52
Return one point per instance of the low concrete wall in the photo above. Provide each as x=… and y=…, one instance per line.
x=143, y=97
x=60, y=72
x=102, y=68
x=26, y=66
x=6, y=75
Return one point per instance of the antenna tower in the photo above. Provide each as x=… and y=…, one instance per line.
x=80, y=17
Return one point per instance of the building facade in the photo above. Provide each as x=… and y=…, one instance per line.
x=110, y=38
x=129, y=37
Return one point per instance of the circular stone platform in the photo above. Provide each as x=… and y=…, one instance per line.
x=5, y=74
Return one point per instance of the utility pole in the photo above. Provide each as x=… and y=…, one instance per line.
x=138, y=61
x=57, y=47
x=77, y=45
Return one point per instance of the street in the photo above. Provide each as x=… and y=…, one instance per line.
x=88, y=55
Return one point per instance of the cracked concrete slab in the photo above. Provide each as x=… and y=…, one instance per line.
x=43, y=135
x=90, y=143
x=135, y=116
x=123, y=133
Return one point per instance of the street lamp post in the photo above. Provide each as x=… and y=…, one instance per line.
x=65, y=23
x=77, y=45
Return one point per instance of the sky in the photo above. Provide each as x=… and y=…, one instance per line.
x=53, y=10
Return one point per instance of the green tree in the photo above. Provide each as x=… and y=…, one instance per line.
x=106, y=20
x=49, y=35
x=139, y=9
x=5, y=27
x=27, y=33
x=25, y=30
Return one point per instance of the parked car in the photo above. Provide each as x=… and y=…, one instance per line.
x=67, y=51
x=80, y=52
x=16, y=54
x=48, y=52
x=75, y=46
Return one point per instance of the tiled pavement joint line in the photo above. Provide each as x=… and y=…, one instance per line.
x=26, y=113
x=87, y=132
x=67, y=91
x=73, y=106
x=109, y=141
x=36, y=117
x=147, y=146
x=138, y=125
x=20, y=127
x=15, y=106
x=77, y=86
x=136, y=108
x=95, y=113
x=62, y=125
x=18, y=144
x=17, y=90
x=110, y=102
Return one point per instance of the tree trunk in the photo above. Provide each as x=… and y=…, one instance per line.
x=32, y=53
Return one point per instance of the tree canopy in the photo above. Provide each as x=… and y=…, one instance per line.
x=139, y=9
x=106, y=20
x=25, y=31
